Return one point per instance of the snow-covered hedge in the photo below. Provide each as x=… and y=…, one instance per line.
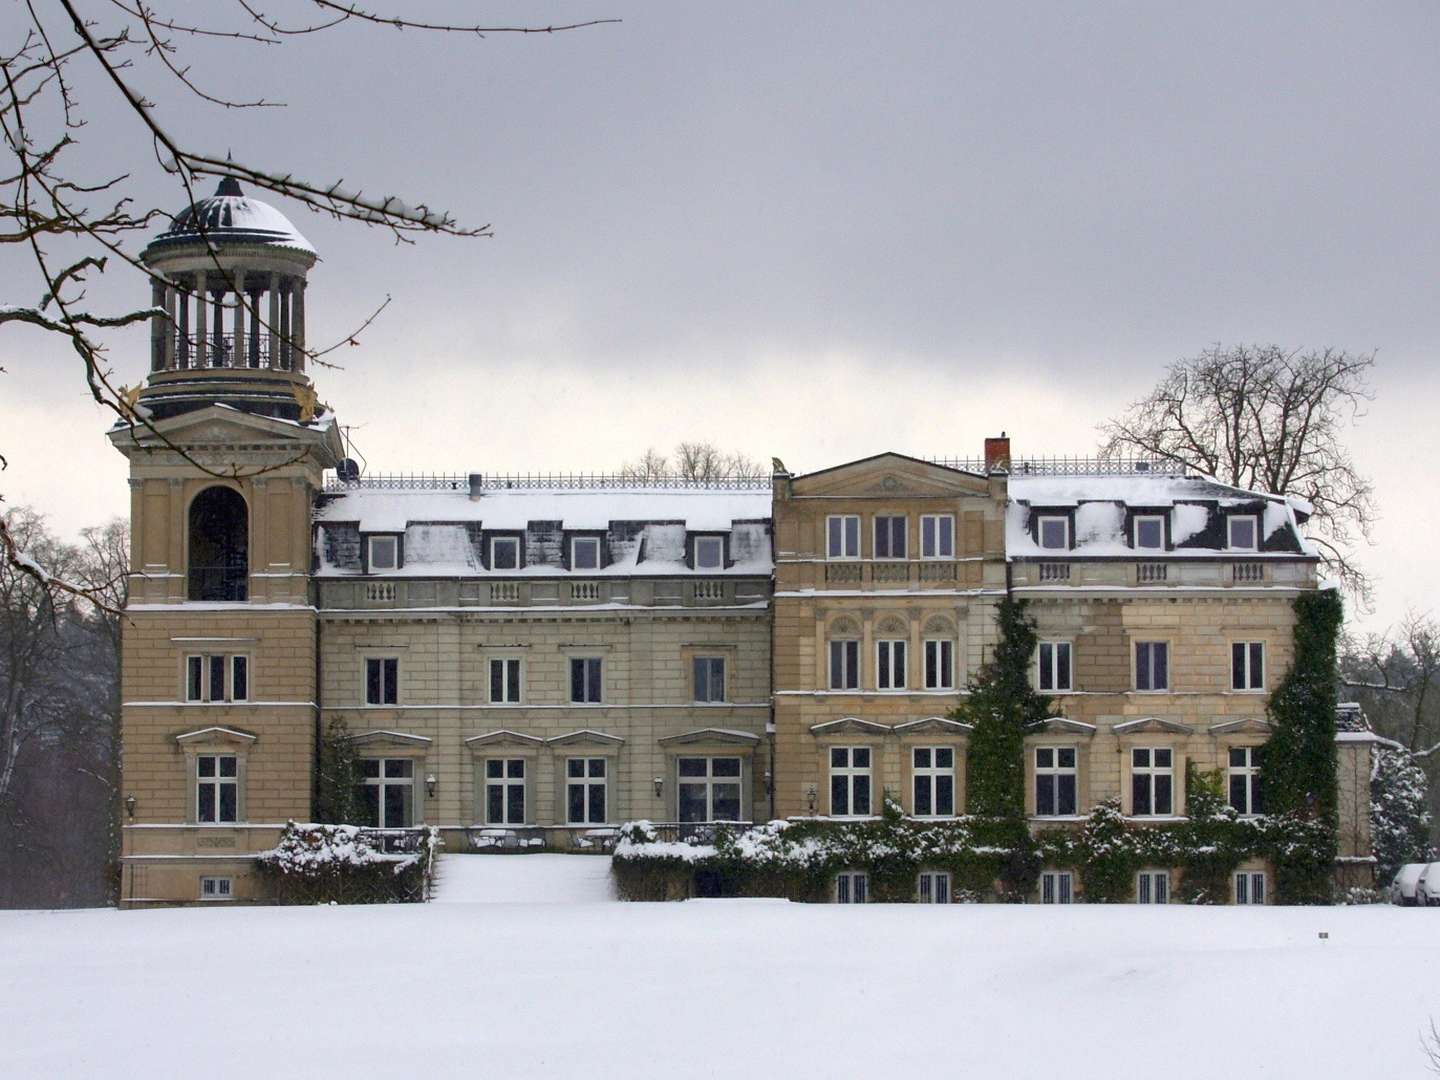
x=348, y=864
x=988, y=858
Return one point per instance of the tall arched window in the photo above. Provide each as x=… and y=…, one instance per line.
x=219, y=545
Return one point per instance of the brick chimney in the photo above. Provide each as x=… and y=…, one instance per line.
x=997, y=454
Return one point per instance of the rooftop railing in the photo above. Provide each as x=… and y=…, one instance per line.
x=1072, y=466
x=553, y=481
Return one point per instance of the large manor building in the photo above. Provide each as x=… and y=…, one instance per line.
x=527, y=663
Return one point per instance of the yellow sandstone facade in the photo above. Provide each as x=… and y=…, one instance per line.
x=528, y=665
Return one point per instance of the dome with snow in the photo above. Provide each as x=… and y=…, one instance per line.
x=231, y=217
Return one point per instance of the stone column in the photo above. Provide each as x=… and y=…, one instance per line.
x=157, y=327
x=202, y=350
x=274, y=320
x=217, y=344
x=287, y=345
x=183, y=298
x=255, y=325
x=299, y=358
x=172, y=328
x=238, y=357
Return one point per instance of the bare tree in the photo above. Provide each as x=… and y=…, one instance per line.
x=1398, y=674
x=694, y=461
x=1270, y=419
x=75, y=219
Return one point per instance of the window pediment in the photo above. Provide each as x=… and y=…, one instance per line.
x=502, y=739
x=216, y=736
x=1062, y=725
x=711, y=735
x=1249, y=725
x=850, y=725
x=1153, y=725
x=934, y=725
x=586, y=737
x=390, y=740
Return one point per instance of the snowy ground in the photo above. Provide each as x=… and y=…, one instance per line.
x=581, y=987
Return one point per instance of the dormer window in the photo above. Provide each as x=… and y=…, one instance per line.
x=1053, y=532
x=504, y=553
x=709, y=553
x=585, y=553
x=1242, y=532
x=1149, y=532
x=384, y=552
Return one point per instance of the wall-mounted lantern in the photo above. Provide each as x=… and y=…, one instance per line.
x=130, y=807
x=811, y=795
x=659, y=786
x=430, y=785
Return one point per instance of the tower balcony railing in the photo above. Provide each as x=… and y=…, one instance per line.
x=218, y=583
x=192, y=352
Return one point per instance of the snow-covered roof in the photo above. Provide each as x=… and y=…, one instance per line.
x=643, y=531
x=1193, y=505
x=231, y=216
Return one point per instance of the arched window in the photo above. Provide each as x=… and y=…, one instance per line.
x=219, y=545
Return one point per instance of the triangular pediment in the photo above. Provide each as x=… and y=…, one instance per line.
x=1152, y=725
x=934, y=725
x=585, y=737
x=723, y=736
x=216, y=736
x=890, y=475
x=850, y=725
x=504, y=738
x=390, y=740
x=1061, y=725
x=223, y=425
x=1248, y=725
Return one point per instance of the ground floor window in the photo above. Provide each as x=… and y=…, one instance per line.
x=217, y=787
x=216, y=888
x=934, y=887
x=709, y=788
x=388, y=791
x=585, y=791
x=505, y=791
x=1057, y=887
x=849, y=781
x=852, y=887
x=1250, y=887
x=933, y=768
x=1152, y=887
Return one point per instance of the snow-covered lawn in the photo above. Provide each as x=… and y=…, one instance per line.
x=581, y=987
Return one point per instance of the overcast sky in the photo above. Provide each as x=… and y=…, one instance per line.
x=818, y=231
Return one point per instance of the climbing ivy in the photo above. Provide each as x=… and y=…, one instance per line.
x=1300, y=777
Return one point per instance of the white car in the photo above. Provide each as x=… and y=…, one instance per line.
x=1405, y=889
x=1427, y=889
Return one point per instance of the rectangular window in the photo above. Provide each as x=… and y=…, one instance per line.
x=1055, y=781
x=939, y=664
x=585, y=553
x=217, y=788
x=1053, y=532
x=849, y=781
x=585, y=787
x=1054, y=667
x=842, y=536
x=933, y=887
x=382, y=680
x=1242, y=532
x=709, y=553
x=384, y=552
x=852, y=887
x=1152, y=665
x=1057, y=887
x=504, y=553
x=933, y=777
x=1243, y=775
x=585, y=682
x=217, y=677
x=1149, y=532
x=1247, y=665
x=505, y=791
x=217, y=888
x=890, y=536
x=709, y=788
x=387, y=789
x=1250, y=887
x=890, y=665
x=1152, y=781
x=505, y=681
x=844, y=665
x=1152, y=887
x=937, y=536
x=709, y=678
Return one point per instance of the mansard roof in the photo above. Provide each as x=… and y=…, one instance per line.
x=1101, y=510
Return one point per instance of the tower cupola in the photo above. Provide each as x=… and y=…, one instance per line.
x=230, y=273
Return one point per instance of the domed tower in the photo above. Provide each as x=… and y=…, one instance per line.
x=227, y=454
x=230, y=272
